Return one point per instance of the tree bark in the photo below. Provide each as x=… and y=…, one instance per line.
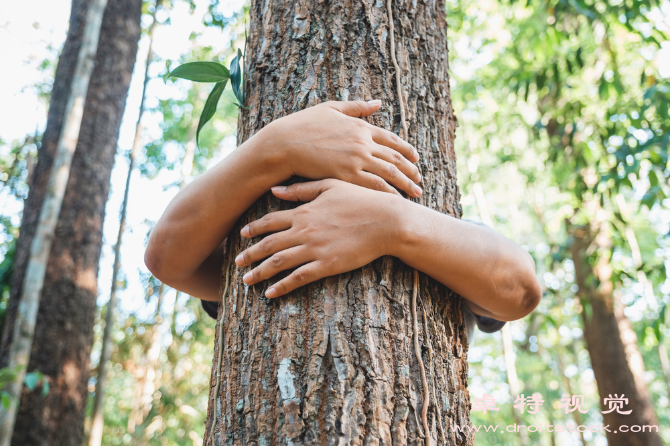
x=64, y=330
x=611, y=341
x=334, y=362
x=97, y=414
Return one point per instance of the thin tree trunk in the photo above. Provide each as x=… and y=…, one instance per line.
x=145, y=385
x=515, y=386
x=611, y=341
x=334, y=362
x=97, y=415
x=577, y=415
x=40, y=248
x=64, y=327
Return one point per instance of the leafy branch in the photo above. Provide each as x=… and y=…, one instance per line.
x=213, y=72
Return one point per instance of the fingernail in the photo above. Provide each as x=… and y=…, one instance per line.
x=245, y=231
x=375, y=102
x=279, y=189
x=239, y=259
x=247, y=277
x=419, y=178
x=416, y=154
x=270, y=293
x=417, y=190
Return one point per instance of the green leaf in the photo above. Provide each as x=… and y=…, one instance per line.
x=236, y=77
x=210, y=107
x=31, y=380
x=45, y=386
x=201, y=72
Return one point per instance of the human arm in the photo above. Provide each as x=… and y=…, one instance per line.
x=342, y=227
x=184, y=249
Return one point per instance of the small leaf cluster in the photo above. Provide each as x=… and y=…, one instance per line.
x=213, y=72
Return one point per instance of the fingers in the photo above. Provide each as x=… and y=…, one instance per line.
x=374, y=182
x=355, y=109
x=272, y=222
x=303, y=191
x=393, y=175
x=280, y=261
x=402, y=163
x=270, y=245
x=302, y=276
x=390, y=139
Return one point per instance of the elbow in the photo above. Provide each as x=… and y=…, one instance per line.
x=531, y=298
x=530, y=293
x=152, y=260
x=521, y=300
x=520, y=290
x=155, y=258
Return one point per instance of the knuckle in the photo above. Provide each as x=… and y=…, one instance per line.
x=307, y=229
x=301, y=210
x=266, y=245
x=378, y=183
x=298, y=189
x=277, y=260
x=252, y=228
x=391, y=170
x=256, y=274
x=397, y=158
x=300, y=276
x=359, y=140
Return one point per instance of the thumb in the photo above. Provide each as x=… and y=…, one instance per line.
x=302, y=191
x=355, y=109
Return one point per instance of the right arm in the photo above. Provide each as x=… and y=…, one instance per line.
x=324, y=141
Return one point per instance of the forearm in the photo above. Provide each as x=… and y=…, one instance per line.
x=493, y=273
x=184, y=246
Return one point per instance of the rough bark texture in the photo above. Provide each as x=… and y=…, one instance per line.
x=333, y=362
x=64, y=331
x=611, y=341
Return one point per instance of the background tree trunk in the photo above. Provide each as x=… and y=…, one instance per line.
x=64, y=331
x=611, y=341
x=334, y=361
x=97, y=413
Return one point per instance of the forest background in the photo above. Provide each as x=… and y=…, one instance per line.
x=522, y=84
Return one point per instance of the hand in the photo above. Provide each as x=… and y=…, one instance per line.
x=343, y=227
x=329, y=141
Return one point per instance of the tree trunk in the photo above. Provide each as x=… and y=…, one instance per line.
x=334, y=362
x=611, y=341
x=64, y=333
x=97, y=414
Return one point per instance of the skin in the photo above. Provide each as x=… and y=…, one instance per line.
x=351, y=216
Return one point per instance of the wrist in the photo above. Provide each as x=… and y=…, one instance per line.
x=269, y=156
x=402, y=231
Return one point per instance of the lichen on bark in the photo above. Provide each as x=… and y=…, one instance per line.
x=334, y=361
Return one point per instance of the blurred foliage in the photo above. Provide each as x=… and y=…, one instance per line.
x=563, y=99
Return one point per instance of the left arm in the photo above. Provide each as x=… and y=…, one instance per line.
x=343, y=227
